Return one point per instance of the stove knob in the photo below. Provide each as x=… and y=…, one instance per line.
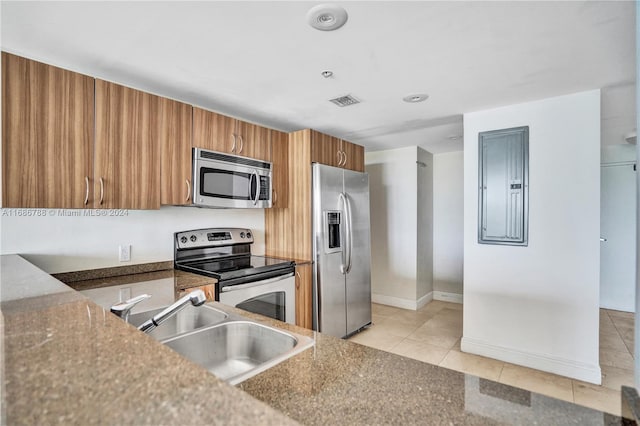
x=193, y=238
x=242, y=235
x=248, y=234
x=183, y=240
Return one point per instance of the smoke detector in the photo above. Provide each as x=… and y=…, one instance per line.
x=344, y=101
x=327, y=17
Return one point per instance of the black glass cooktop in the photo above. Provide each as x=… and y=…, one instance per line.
x=236, y=267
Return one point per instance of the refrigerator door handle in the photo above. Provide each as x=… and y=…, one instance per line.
x=346, y=260
x=350, y=220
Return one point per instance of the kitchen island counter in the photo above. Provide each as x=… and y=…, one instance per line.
x=66, y=360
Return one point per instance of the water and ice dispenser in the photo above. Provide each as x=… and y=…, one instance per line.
x=332, y=223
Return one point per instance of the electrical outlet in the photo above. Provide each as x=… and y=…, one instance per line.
x=125, y=253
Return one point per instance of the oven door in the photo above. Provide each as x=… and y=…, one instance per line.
x=274, y=297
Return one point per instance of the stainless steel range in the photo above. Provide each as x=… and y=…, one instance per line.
x=257, y=284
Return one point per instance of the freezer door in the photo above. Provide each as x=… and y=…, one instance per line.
x=328, y=280
x=358, y=283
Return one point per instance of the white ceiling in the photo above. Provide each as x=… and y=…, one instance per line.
x=260, y=61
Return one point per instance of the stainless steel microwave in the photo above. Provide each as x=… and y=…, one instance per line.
x=230, y=181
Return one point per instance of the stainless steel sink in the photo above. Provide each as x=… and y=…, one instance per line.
x=238, y=349
x=188, y=319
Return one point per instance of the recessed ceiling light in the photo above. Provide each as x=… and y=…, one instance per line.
x=327, y=74
x=412, y=99
x=327, y=17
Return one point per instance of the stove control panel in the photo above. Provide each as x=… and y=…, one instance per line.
x=213, y=237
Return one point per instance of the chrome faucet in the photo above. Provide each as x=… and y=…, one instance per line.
x=196, y=298
x=123, y=309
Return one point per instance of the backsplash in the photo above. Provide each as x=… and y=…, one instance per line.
x=76, y=240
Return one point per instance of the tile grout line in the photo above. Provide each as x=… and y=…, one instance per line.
x=618, y=332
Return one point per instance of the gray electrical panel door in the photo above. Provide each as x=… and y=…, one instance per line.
x=503, y=165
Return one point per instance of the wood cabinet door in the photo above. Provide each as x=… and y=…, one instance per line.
x=325, y=149
x=304, y=296
x=215, y=132
x=354, y=156
x=127, y=153
x=209, y=292
x=174, y=136
x=253, y=141
x=280, y=160
x=47, y=135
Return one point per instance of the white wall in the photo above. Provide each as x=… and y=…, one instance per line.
x=538, y=305
x=393, y=186
x=448, y=225
x=401, y=226
x=424, y=277
x=58, y=243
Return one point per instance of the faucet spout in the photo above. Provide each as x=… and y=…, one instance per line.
x=123, y=309
x=195, y=298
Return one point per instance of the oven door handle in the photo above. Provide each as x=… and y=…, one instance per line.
x=255, y=283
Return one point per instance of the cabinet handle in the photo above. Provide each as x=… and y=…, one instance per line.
x=241, y=143
x=345, y=158
x=275, y=197
x=101, y=190
x=298, y=280
x=188, y=189
x=86, y=190
x=233, y=148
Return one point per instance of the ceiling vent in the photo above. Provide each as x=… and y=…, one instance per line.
x=344, y=101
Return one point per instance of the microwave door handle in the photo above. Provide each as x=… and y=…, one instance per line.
x=257, y=178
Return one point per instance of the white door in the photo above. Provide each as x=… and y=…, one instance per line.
x=618, y=235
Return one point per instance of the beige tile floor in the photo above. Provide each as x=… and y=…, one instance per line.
x=432, y=334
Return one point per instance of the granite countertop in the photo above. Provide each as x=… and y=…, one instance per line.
x=69, y=361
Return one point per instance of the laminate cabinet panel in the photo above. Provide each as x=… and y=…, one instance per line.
x=354, y=156
x=254, y=141
x=213, y=131
x=47, y=135
x=280, y=160
x=288, y=230
x=174, y=135
x=325, y=149
x=127, y=154
x=304, y=297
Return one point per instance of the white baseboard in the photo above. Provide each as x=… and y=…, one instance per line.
x=447, y=297
x=398, y=302
x=563, y=367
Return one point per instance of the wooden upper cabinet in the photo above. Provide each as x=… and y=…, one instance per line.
x=47, y=135
x=325, y=149
x=127, y=152
x=213, y=131
x=280, y=160
x=217, y=132
x=354, y=156
x=174, y=136
x=254, y=141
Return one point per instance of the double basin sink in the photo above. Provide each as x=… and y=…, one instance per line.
x=230, y=346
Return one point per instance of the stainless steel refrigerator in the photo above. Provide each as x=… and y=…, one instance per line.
x=342, y=251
